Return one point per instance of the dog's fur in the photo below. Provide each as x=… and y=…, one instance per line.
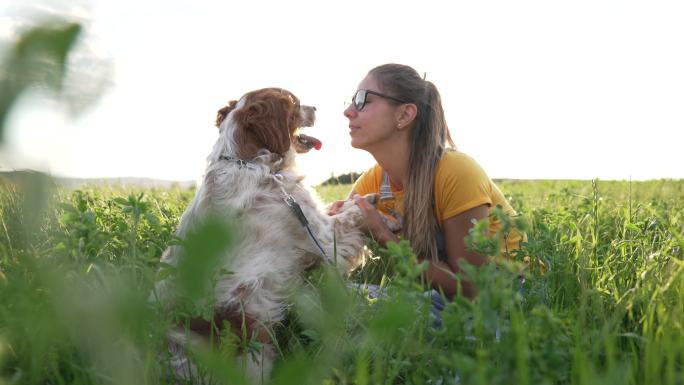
x=272, y=247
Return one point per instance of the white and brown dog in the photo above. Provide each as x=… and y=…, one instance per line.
x=251, y=177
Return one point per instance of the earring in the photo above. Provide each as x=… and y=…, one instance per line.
x=399, y=125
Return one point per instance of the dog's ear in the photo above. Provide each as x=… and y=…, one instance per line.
x=223, y=112
x=269, y=119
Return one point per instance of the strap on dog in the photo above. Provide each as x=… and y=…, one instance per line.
x=287, y=197
x=297, y=211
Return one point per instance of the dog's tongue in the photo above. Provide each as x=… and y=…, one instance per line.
x=315, y=143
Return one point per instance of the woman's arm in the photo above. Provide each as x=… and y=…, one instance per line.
x=440, y=274
x=456, y=228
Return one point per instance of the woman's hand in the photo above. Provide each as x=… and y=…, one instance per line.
x=373, y=221
x=335, y=207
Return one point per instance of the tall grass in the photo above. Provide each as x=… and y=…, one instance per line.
x=602, y=302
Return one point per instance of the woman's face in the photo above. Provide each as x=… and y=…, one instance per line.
x=376, y=123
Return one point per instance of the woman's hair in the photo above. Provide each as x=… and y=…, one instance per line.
x=429, y=138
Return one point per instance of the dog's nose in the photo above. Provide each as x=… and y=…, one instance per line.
x=314, y=108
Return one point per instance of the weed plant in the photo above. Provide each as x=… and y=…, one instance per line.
x=602, y=299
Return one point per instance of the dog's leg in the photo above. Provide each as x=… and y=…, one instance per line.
x=349, y=239
x=181, y=369
x=258, y=365
x=260, y=309
x=340, y=236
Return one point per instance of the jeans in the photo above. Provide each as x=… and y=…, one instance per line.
x=437, y=301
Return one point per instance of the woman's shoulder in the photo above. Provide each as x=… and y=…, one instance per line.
x=455, y=162
x=369, y=180
x=456, y=156
x=460, y=184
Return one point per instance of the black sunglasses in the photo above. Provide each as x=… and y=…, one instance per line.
x=359, y=99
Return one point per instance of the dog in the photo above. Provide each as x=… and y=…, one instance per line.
x=283, y=229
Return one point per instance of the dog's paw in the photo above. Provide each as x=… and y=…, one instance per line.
x=349, y=203
x=393, y=223
x=349, y=214
x=373, y=198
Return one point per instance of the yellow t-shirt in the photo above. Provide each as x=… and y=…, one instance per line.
x=460, y=184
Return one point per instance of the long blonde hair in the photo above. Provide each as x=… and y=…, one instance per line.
x=429, y=138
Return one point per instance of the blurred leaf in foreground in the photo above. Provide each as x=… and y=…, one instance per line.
x=204, y=248
x=37, y=59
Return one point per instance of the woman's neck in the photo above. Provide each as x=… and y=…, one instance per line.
x=395, y=163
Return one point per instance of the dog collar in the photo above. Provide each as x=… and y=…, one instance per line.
x=240, y=162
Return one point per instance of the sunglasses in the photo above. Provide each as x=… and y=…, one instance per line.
x=359, y=99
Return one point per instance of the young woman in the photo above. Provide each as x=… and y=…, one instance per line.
x=434, y=191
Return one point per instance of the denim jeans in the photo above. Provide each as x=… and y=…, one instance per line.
x=437, y=301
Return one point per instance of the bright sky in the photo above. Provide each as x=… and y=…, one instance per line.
x=532, y=89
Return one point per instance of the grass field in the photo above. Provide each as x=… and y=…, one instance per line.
x=76, y=268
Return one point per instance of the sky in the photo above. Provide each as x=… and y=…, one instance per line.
x=531, y=89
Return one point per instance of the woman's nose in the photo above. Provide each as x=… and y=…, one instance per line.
x=349, y=111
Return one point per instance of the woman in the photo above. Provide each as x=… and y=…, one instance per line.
x=433, y=190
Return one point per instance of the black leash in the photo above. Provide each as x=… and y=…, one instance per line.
x=288, y=198
x=297, y=210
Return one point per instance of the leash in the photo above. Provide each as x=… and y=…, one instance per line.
x=287, y=198
x=297, y=210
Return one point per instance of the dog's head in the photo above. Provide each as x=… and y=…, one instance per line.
x=268, y=119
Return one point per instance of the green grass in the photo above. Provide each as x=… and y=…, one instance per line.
x=330, y=193
x=76, y=268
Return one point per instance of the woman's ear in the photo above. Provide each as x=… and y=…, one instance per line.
x=406, y=114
